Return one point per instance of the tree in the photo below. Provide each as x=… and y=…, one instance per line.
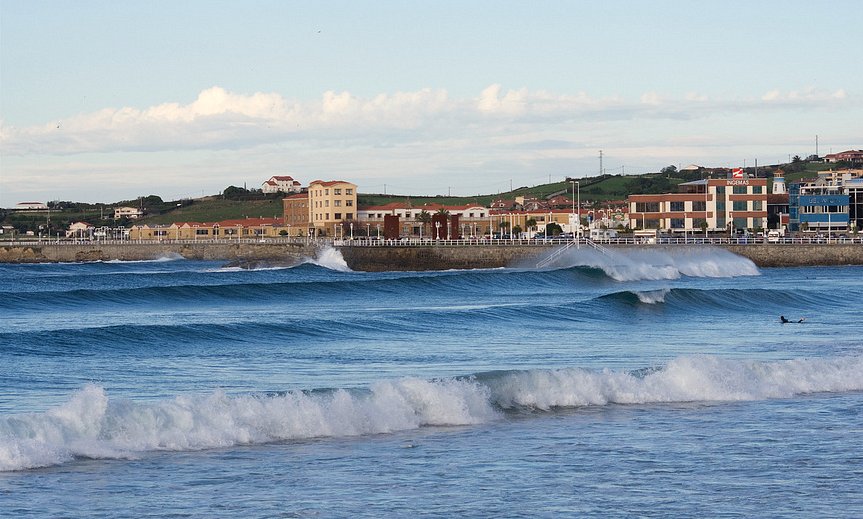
x=668, y=171
x=424, y=218
x=516, y=230
x=530, y=224
x=553, y=229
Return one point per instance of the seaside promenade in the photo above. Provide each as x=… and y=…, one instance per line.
x=411, y=254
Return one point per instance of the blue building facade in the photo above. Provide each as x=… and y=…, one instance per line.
x=817, y=208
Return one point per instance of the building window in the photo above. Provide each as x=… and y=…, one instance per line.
x=337, y=203
x=326, y=203
x=349, y=191
x=337, y=191
x=677, y=207
x=756, y=190
x=720, y=190
x=678, y=223
x=328, y=216
x=756, y=205
x=699, y=206
x=338, y=216
x=349, y=216
x=647, y=207
x=349, y=203
x=739, y=205
x=327, y=192
x=739, y=190
x=202, y=232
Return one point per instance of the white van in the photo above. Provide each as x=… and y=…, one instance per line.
x=603, y=234
x=773, y=236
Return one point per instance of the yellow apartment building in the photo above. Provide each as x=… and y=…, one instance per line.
x=331, y=203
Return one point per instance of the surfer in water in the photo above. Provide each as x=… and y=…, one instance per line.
x=784, y=320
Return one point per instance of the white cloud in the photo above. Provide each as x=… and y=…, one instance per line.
x=218, y=119
x=417, y=138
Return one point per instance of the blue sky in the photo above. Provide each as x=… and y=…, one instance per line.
x=108, y=100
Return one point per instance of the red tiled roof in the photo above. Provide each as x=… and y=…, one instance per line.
x=326, y=183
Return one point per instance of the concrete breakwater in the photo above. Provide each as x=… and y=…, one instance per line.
x=409, y=257
x=245, y=254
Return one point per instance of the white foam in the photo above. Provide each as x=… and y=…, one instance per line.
x=89, y=425
x=643, y=263
x=652, y=297
x=93, y=426
x=331, y=258
x=685, y=379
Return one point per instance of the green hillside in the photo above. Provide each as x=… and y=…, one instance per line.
x=594, y=190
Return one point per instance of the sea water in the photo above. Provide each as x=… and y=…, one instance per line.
x=640, y=383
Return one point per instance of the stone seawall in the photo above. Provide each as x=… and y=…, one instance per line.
x=494, y=256
x=239, y=253
x=426, y=257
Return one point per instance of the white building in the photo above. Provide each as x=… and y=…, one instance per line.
x=281, y=184
x=80, y=230
x=131, y=213
x=30, y=206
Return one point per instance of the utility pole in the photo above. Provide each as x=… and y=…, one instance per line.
x=816, y=144
x=600, y=162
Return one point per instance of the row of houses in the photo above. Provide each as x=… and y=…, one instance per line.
x=833, y=202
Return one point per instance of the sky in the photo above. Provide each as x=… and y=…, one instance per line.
x=103, y=101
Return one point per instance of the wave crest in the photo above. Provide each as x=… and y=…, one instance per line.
x=90, y=425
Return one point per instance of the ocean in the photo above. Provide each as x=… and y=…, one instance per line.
x=640, y=383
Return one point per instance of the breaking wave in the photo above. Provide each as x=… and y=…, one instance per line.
x=93, y=425
x=636, y=264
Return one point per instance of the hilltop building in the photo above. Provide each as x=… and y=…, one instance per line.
x=31, y=206
x=853, y=157
x=132, y=213
x=281, y=184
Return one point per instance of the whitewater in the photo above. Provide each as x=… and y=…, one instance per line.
x=634, y=383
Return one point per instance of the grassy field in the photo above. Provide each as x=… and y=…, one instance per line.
x=214, y=209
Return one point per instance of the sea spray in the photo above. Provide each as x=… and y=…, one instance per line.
x=330, y=258
x=92, y=425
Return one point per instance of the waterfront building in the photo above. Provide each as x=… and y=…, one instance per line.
x=244, y=228
x=281, y=184
x=296, y=214
x=710, y=204
x=331, y=203
x=80, y=230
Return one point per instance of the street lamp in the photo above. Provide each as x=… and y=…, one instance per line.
x=437, y=231
x=379, y=231
x=352, y=230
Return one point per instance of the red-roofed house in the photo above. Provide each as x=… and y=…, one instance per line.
x=850, y=156
x=281, y=184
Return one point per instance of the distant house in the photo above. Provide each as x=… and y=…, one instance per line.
x=30, y=206
x=281, y=184
x=131, y=213
x=80, y=230
x=850, y=156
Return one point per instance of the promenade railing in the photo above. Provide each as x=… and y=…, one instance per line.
x=464, y=242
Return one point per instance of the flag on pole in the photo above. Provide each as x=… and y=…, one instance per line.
x=737, y=173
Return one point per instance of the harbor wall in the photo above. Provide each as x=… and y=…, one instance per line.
x=239, y=253
x=410, y=257
x=493, y=256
